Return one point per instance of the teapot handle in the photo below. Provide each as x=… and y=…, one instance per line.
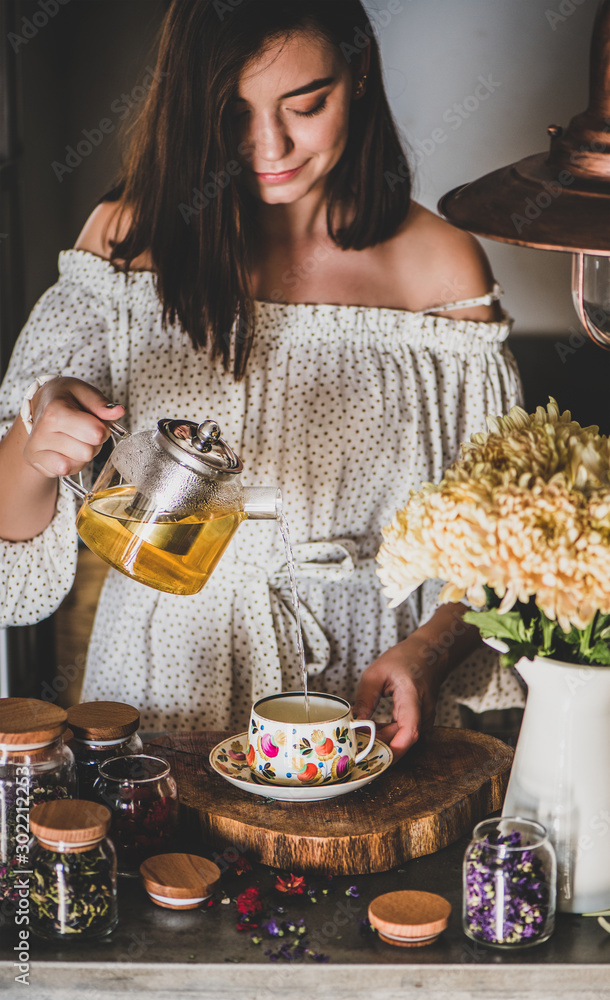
x=118, y=432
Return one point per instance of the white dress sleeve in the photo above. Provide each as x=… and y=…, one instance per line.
x=67, y=334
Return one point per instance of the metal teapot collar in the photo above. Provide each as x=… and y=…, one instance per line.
x=198, y=446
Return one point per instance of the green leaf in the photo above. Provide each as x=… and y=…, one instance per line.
x=601, y=629
x=516, y=651
x=599, y=653
x=528, y=632
x=547, y=628
x=573, y=637
x=491, y=624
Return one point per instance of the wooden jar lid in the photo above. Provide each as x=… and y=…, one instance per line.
x=409, y=918
x=179, y=881
x=103, y=720
x=76, y=823
x=28, y=721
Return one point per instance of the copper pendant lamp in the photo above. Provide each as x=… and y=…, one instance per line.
x=558, y=200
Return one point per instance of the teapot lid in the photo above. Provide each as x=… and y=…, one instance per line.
x=198, y=446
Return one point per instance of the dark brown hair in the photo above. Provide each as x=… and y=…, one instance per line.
x=180, y=177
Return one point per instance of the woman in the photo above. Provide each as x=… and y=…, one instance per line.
x=261, y=262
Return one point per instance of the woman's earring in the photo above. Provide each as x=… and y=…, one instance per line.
x=360, y=86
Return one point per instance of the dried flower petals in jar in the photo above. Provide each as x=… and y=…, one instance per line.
x=510, y=876
x=143, y=799
x=101, y=729
x=35, y=767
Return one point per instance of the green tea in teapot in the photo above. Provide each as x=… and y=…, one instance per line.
x=176, y=555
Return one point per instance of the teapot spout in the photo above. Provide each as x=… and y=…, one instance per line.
x=262, y=501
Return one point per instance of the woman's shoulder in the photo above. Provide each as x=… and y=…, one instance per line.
x=108, y=223
x=437, y=264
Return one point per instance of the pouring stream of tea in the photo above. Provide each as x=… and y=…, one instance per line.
x=284, y=530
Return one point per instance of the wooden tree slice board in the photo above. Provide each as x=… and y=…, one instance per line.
x=448, y=782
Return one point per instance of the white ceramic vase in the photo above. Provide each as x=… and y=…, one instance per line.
x=561, y=774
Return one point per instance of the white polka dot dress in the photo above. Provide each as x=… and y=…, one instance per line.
x=344, y=408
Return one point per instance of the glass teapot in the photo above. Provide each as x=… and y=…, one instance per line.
x=167, y=503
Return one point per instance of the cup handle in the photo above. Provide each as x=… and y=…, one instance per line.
x=364, y=724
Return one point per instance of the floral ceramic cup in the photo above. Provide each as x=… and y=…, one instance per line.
x=288, y=749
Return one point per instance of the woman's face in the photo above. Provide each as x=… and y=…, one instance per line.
x=291, y=117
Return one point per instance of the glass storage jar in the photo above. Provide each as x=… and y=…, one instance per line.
x=143, y=799
x=35, y=766
x=510, y=875
x=101, y=729
x=73, y=887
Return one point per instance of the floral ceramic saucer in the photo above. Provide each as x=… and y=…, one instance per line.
x=229, y=760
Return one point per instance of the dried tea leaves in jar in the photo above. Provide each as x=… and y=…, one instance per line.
x=74, y=871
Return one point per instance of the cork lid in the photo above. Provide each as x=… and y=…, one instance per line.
x=103, y=720
x=28, y=722
x=76, y=823
x=409, y=918
x=179, y=881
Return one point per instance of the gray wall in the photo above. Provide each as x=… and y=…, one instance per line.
x=435, y=51
x=535, y=62
x=75, y=71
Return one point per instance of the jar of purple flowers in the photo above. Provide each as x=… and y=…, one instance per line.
x=510, y=876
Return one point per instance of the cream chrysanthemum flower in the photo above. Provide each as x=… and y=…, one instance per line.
x=525, y=511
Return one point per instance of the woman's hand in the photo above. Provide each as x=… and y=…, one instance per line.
x=412, y=673
x=401, y=672
x=69, y=426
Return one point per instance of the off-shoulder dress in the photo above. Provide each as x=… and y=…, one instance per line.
x=345, y=408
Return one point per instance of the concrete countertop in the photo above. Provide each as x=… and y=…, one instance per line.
x=158, y=953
